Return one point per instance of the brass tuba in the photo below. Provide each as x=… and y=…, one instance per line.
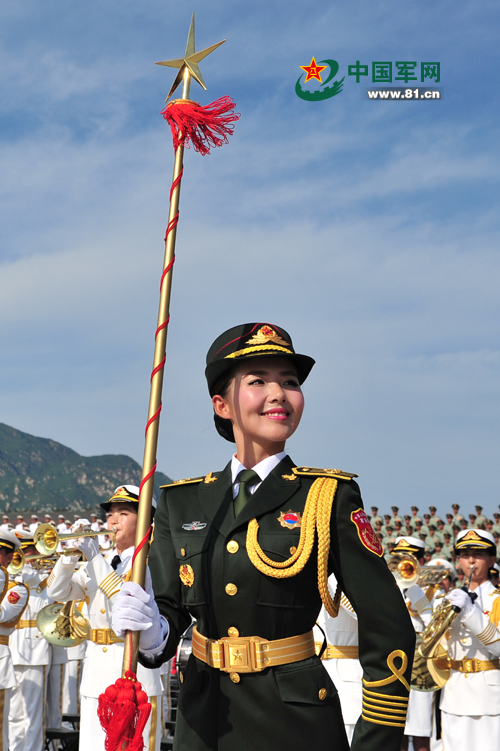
x=63, y=624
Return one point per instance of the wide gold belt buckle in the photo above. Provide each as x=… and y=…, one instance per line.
x=101, y=636
x=239, y=654
x=469, y=666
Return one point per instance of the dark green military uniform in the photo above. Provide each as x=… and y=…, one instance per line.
x=288, y=707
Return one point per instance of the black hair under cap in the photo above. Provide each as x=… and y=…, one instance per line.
x=253, y=340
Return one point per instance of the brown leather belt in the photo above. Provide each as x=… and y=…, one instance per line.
x=250, y=654
x=337, y=653
x=104, y=636
x=26, y=624
x=472, y=665
x=4, y=640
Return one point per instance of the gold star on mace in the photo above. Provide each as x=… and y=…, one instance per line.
x=189, y=61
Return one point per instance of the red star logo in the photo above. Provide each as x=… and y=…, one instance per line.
x=313, y=70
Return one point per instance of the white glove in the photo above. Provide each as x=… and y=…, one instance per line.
x=461, y=600
x=89, y=546
x=136, y=610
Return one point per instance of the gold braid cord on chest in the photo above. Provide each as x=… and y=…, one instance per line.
x=315, y=518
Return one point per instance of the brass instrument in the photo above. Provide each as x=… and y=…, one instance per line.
x=432, y=576
x=47, y=538
x=430, y=648
x=407, y=571
x=405, y=568
x=38, y=562
x=63, y=625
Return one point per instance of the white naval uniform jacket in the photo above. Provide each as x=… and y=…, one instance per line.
x=11, y=609
x=99, y=584
x=27, y=645
x=346, y=673
x=472, y=694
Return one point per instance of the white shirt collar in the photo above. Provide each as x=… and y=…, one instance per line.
x=125, y=555
x=263, y=468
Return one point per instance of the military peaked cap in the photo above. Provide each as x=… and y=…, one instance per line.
x=253, y=340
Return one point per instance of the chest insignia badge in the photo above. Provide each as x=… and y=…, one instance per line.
x=186, y=574
x=13, y=597
x=290, y=478
x=290, y=519
x=194, y=526
x=366, y=533
x=210, y=478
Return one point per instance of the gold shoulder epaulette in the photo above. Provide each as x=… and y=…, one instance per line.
x=187, y=481
x=315, y=472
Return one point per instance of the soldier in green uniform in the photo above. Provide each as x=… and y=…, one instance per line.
x=247, y=552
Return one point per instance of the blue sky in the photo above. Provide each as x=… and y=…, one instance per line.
x=368, y=230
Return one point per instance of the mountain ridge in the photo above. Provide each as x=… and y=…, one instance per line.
x=42, y=475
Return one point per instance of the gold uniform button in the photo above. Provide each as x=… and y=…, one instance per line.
x=103, y=610
x=235, y=677
x=464, y=641
x=231, y=589
x=322, y=693
x=183, y=552
x=293, y=550
x=104, y=649
x=232, y=546
x=232, y=631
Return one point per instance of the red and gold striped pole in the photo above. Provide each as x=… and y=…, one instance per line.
x=123, y=708
x=193, y=117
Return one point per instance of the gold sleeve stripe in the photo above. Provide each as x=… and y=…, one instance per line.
x=423, y=605
x=111, y=584
x=489, y=635
x=374, y=709
x=382, y=722
x=385, y=699
x=51, y=578
x=346, y=604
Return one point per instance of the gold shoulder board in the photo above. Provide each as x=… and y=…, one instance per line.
x=187, y=481
x=315, y=472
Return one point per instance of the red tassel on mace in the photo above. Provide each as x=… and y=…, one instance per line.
x=205, y=127
x=123, y=712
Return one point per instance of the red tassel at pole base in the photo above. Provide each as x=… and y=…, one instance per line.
x=123, y=712
x=205, y=126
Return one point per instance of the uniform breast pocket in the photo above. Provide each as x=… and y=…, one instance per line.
x=191, y=554
x=291, y=592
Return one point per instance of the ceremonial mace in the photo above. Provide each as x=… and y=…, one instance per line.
x=124, y=715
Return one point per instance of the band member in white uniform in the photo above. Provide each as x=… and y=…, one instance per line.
x=31, y=655
x=13, y=602
x=470, y=702
x=341, y=657
x=100, y=580
x=419, y=719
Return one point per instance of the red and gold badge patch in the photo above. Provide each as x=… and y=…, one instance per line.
x=366, y=532
x=186, y=574
x=13, y=597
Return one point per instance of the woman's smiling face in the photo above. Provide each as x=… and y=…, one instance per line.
x=264, y=403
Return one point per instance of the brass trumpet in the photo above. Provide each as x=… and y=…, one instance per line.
x=37, y=561
x=47, y=538
x=405, y=569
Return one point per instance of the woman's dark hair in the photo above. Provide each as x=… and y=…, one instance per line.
x=220, y=387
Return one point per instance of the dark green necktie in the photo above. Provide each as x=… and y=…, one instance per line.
x=246, y=478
